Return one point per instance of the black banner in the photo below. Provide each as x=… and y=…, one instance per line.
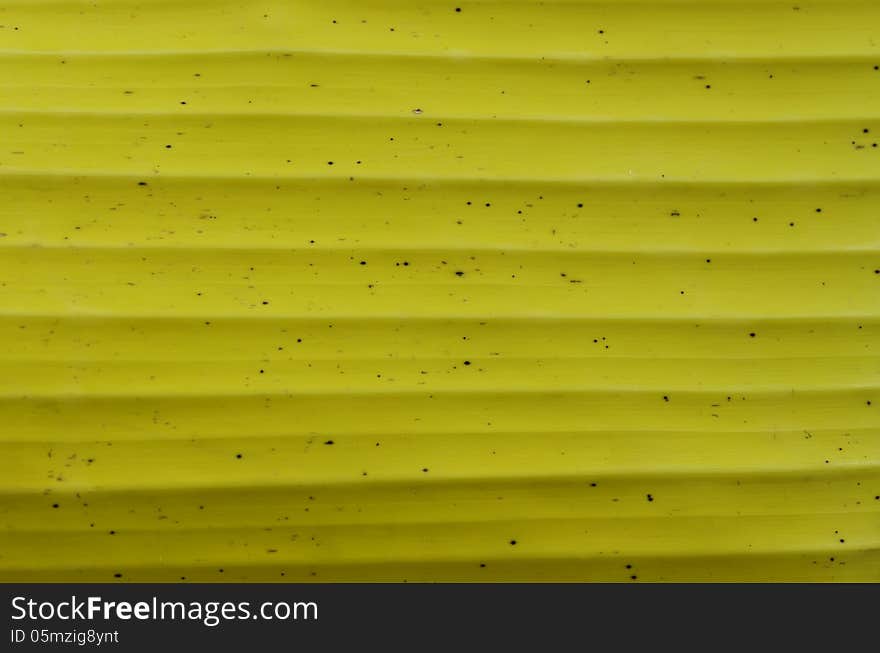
x=412, y=617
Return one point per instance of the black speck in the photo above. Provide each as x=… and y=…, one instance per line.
x=329, y=442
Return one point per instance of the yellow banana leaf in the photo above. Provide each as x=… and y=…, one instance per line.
x=385, y=290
